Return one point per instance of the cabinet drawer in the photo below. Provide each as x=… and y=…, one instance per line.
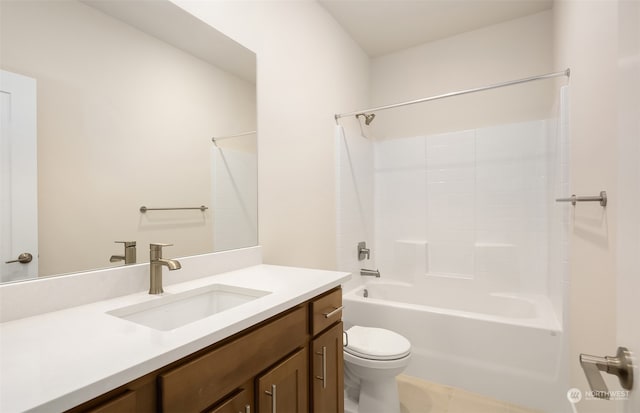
x=326, y=311
x=201, y=382
x=125, y=403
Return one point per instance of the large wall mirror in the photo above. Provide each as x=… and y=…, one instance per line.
x=122, y=99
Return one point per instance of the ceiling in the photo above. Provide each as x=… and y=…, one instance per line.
x=386, y=26
x=185, y=32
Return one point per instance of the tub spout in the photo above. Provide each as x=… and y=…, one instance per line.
x=370, y=273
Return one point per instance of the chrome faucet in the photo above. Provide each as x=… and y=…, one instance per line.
x=155, y=263
x=129, y=256
x=370, y=273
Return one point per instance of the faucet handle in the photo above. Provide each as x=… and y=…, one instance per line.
x=126, y=243
x=159, y=245
x=363, y=251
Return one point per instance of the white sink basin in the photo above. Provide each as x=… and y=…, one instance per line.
x=171, y=311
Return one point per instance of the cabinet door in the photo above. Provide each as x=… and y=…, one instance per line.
x=240, y=402
x=284, y=388
x=327, y=372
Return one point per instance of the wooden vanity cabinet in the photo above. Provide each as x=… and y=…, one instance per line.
x=292, y=361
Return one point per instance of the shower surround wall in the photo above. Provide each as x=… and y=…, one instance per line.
x=469, y=204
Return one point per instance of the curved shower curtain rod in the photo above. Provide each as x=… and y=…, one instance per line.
x=566, y=72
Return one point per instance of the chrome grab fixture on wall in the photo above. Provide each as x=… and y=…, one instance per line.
x=144, y=209
x=129, y=256
x=602, y=198
x=23, y=258
x=620, y=366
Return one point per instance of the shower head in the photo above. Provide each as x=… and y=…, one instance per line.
x=368, y=117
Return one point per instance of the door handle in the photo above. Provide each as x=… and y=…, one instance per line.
x=272, y=393
x=619, y=365
x=323, y=353
x=23, y=258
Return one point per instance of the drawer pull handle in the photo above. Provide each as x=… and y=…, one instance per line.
x=323, y=353
x=334, y=312
x=272, y=393
x=247, y=409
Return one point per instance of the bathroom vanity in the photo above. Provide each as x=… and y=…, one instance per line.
x=279, y=351
x=265, y=368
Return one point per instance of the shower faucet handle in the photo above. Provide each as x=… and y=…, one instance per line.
x=363, y=251
x=619, y=365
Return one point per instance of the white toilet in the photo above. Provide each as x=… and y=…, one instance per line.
x=373, y=357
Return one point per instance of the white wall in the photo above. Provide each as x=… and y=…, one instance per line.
x=511, y=50
x=124, y=120
x=308, y=70
x=586, y=40
x=629, y=184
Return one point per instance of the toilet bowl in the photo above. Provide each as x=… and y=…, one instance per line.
x=373, y=357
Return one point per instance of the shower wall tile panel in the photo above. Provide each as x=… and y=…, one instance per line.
x=400, y=197
x=450, y=203
x=478, y=198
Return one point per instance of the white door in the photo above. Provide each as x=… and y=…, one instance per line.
x=18, y=177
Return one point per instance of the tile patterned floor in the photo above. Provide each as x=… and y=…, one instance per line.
x=419, y=396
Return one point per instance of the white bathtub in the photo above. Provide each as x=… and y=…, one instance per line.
x=501, y=345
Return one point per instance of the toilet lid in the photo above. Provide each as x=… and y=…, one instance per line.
x=376, y=343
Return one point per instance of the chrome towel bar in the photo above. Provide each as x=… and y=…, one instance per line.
x=144, y=209
x=602, y=198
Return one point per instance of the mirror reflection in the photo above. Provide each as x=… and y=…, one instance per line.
x=105, y=111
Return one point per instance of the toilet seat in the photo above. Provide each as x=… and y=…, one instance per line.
x=376, y=344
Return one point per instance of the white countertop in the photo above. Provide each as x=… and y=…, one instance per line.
x=57, y=360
